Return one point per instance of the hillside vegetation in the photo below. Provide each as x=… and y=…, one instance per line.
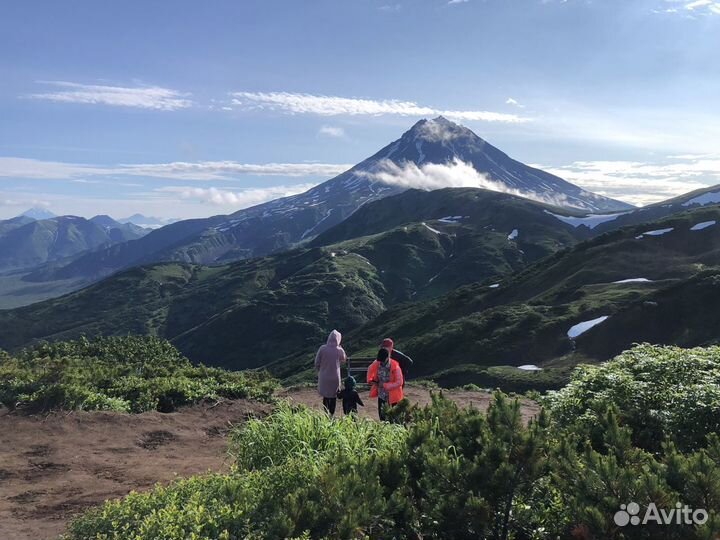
x=130, y=374
x=453, y=473
x=285, y=303
x=659, y=289
x=471, y=283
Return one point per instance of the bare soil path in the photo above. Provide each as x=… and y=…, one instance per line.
x=54, y=467
x=416, y=394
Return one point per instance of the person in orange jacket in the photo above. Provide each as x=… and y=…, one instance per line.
x=386, y=381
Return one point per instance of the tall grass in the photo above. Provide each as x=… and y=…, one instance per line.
x=298, y=432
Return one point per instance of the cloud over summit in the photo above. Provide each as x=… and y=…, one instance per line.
x=296, y=103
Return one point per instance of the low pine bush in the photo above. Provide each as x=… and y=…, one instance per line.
x=661, y=393
x=128, y=374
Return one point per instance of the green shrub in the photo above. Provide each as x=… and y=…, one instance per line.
x=129, y=374
x=661, y=393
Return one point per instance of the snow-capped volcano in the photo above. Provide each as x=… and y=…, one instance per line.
x=442, y=142
x=437, y=142
x=432, y=154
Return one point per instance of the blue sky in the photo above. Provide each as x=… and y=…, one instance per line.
x=183, y=109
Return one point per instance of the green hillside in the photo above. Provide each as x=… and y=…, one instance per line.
x=472, y=283
x=525, y=320
x=251, y=313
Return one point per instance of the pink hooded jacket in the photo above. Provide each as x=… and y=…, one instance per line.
x=327, y=364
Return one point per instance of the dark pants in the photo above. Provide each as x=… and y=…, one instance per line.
x=381, y=408
x=329, y=404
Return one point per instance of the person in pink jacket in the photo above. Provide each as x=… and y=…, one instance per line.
x=327, y=364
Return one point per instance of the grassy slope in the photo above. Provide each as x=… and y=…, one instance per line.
x=526, y=319
x=276, y=310
x=253, y=312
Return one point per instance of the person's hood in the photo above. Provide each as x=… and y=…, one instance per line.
x=350, y=383
x=388, y=344
x=334, y=338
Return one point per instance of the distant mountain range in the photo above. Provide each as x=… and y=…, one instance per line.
x=425, y=244
x=27, y=242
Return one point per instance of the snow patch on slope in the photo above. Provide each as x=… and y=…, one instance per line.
x=590, y=221
x=656, y=232
x=705, y=198
x=451, y=219
x=584, y=326
x=429, y=228
x=702, y=225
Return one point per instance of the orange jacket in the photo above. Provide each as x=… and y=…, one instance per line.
x=393, y=386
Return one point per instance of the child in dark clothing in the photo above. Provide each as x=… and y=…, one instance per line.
x=350, y=397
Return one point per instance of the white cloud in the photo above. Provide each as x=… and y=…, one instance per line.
x=456, y=174
x=236, y=199
x=294, y=103
x=34, y=203
x=634, y=182
x=143, y=97
x=642, y=183
x=332, y=131
x=212, y=170
x=11, y=167
x=699, y=5
x=704, y=7
x=514, y=103
x=452, y=2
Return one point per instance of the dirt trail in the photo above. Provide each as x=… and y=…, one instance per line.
x=419, y=395
x=52, y=468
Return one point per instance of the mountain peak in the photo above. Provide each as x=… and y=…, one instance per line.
x=38, y=213
x=442, y=120
x=104, y=221
x=440, y=130
x=442, y=142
